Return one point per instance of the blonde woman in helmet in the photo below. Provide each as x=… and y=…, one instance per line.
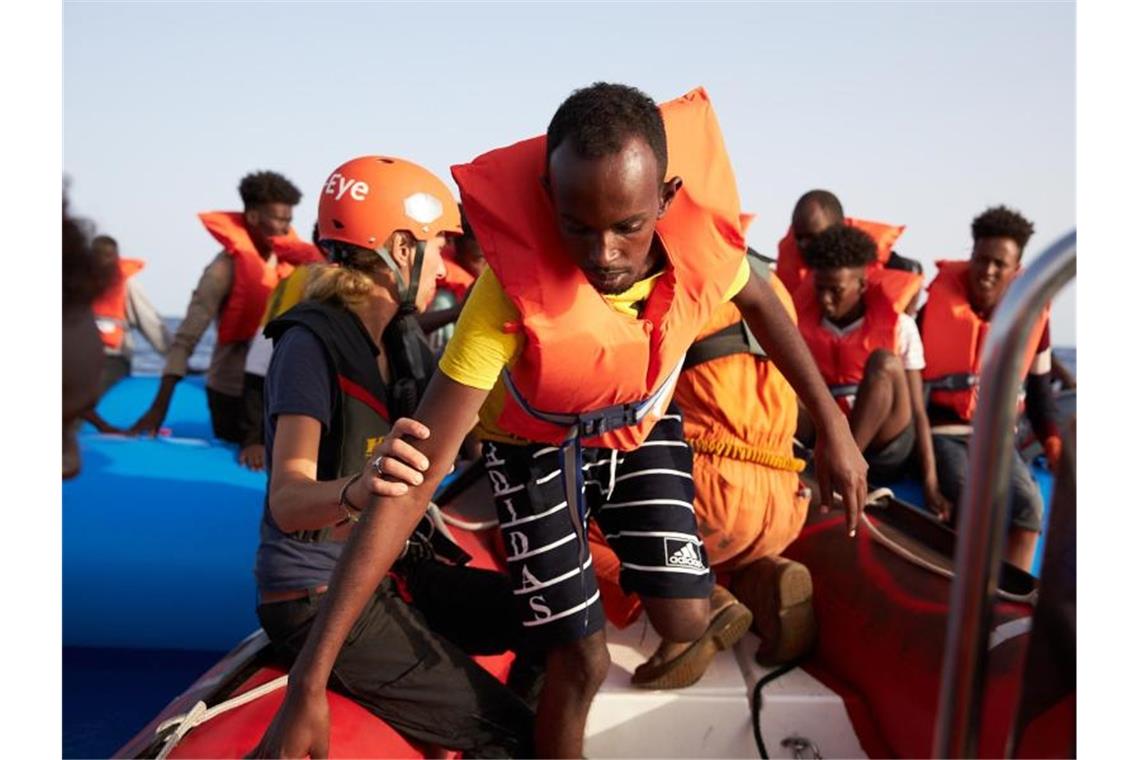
x=346, y=362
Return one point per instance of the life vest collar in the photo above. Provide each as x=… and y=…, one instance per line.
x=790, y=266
x=954, y=336
x=229, y=229
x=842, y=358
x=254, y=276
x=566, y=323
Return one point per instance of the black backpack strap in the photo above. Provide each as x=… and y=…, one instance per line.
x=736, y=338
x=731, y=340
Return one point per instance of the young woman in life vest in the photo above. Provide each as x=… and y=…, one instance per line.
x=335, y=381
x=853, y=319
x=607, y=252
x=954, y=322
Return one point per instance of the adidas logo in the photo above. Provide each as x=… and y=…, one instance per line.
x=686, y=556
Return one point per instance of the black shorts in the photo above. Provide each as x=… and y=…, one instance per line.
x=643, y=502
x=892, y=460
x=227, y=416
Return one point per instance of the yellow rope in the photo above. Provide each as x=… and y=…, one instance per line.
x=733, y=450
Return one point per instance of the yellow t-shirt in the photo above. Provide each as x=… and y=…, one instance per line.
x=480, y=349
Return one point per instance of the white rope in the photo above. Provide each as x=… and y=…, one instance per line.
x=882, y=494
x=199, y=714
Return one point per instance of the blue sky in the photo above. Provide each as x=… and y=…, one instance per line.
x=919, y=114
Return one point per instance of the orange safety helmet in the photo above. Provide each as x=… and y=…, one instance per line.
x=366, y=199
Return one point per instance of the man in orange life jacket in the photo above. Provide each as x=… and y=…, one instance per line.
x=120, y=309
x=607, y=254
x=853, y=319
x=814, y=212
x=233, y=290
x=954, y=322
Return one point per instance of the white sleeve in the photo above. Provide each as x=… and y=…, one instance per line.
x=142, y=314
x=259, y=354
x=910, y=343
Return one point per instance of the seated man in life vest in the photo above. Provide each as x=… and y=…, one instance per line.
x=607, y=252
x=817, y=210
x=853, y=319
x=954, y=322
x=259, y=248
x=121, y=308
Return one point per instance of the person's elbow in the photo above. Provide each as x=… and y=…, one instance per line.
x=283, y=509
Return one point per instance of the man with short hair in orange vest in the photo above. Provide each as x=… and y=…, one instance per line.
x=607, y=251
x=853, y=318
x=259, y=249
x=817, y=210
x=954, y=322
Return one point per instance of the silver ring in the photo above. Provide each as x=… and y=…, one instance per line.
x=378, y=466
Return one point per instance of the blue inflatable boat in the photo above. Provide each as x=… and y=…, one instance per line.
x=159, y=534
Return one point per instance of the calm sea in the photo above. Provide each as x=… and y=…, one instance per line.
x=147, y=362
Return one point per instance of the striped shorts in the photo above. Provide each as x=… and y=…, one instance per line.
x=642, y=501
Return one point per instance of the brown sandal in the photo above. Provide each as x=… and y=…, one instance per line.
x=725, y=629
x=779, y=591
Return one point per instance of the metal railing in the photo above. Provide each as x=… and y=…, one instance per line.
x=986, y=504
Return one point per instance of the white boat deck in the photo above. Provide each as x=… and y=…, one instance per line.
x=712, y=718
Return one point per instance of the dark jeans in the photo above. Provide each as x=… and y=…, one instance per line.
x=951, y=455
x=227, y=416
x=397, y=663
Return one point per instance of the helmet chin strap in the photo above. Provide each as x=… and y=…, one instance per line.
x=407, y=290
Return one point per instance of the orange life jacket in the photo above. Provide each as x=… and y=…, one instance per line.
x=842, y=358
x=595, y=375
x=110, y=309
x=954, y=336
x=790, y=266
x=254, y=277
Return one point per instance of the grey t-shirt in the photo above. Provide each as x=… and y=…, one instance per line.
x=300, y=380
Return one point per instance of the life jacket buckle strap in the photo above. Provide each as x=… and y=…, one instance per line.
x=962, y=381
x=606, y=420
